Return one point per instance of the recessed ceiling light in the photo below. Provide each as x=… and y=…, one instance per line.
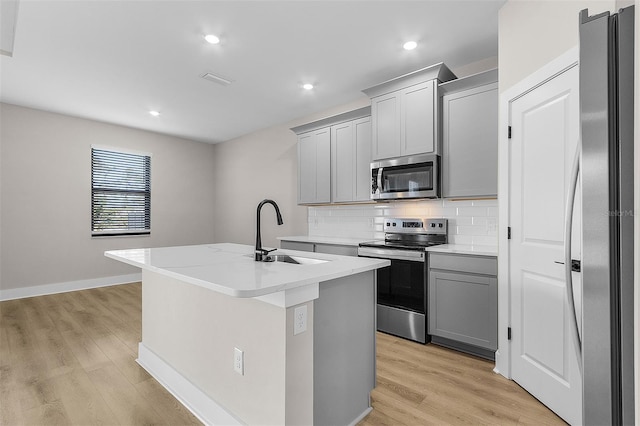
x=154, y=113
x=307, y=86
x=212, y=39
x=410, y=45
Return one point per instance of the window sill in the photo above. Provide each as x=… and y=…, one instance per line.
x=120, y=234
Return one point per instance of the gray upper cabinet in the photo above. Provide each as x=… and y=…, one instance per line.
x=351, y=161
x=334, y=158
x=342, y=160
x=314, y=162
x=404, y=113
x=418, y=119
x=470, y=136
x=386, y=127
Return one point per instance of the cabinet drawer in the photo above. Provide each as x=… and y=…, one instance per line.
x=485, y=265
x=336, y=249
x=296, y=245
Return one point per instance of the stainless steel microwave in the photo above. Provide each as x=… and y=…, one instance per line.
x=416, y=176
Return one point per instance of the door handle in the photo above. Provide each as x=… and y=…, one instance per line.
x=572, y=264
x=575, y=265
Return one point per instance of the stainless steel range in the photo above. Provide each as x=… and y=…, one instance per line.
x=402, y=287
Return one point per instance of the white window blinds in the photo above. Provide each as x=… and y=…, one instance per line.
x=120, y=193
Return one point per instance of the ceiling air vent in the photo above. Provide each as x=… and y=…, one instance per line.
x=217, y=79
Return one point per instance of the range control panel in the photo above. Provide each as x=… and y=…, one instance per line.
x=416, y=226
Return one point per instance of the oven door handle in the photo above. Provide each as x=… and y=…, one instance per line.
x=410, y=255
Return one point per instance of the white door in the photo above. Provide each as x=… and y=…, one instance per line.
x=544, y=135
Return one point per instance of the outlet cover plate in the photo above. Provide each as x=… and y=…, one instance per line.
x=238, y=361
x=300, y=319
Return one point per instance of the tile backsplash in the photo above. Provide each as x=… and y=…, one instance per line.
x=470, y=221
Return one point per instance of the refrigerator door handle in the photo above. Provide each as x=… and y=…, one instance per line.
x=568, y=262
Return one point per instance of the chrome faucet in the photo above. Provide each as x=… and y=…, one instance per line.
x=260, y=252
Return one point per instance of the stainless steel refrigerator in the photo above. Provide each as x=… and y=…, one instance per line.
x=606, y=166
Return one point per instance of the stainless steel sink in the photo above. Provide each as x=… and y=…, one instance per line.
x=296, y=260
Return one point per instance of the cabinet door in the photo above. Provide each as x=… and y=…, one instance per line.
x=386, y=133
x=314, y=167
x=342, y=162
x=362, y=187
x=470, y=143
x=307, y=168
x=464, y=307
x=323, y=166
x=418, y=120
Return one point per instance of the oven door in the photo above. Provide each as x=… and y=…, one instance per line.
x=402, y=285
x=401, y=292
x=406, y=177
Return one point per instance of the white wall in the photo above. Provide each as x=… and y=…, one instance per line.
x=45, y=161
x=531, y=33
x=261, y=165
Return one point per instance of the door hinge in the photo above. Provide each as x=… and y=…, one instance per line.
x=508, y=333
x=509, y=132
x=508, y=232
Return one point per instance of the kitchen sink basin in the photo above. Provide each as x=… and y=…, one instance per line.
x=295, y=260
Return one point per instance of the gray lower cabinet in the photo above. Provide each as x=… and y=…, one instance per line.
x=338, y=249
x=463, y=302
x=470, y=136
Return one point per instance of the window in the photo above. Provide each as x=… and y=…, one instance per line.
x=120, y=193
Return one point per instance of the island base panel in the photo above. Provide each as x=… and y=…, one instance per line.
x=194, y=330
x=344, y=349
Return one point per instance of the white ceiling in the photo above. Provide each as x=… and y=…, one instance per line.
x=114, y=61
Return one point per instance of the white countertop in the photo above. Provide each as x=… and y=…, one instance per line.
x=325, y=240
x=465, y=249
x=230, y=269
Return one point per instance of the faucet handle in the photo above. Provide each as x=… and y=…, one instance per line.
x=261, y=253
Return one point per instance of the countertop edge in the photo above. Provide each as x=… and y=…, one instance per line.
x=473, y=250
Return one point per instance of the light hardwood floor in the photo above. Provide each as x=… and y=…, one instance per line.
x=431, y=385
x=69, y=359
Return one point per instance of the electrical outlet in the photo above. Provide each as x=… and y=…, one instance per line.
x=238, y=361
x=300, y=319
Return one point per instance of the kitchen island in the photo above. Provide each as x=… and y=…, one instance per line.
x=306, y=331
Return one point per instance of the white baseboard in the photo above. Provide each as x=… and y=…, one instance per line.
x=361, y=416
x=204, y=408
x=41, y=290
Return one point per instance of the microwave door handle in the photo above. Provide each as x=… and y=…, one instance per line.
x=380, y=179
